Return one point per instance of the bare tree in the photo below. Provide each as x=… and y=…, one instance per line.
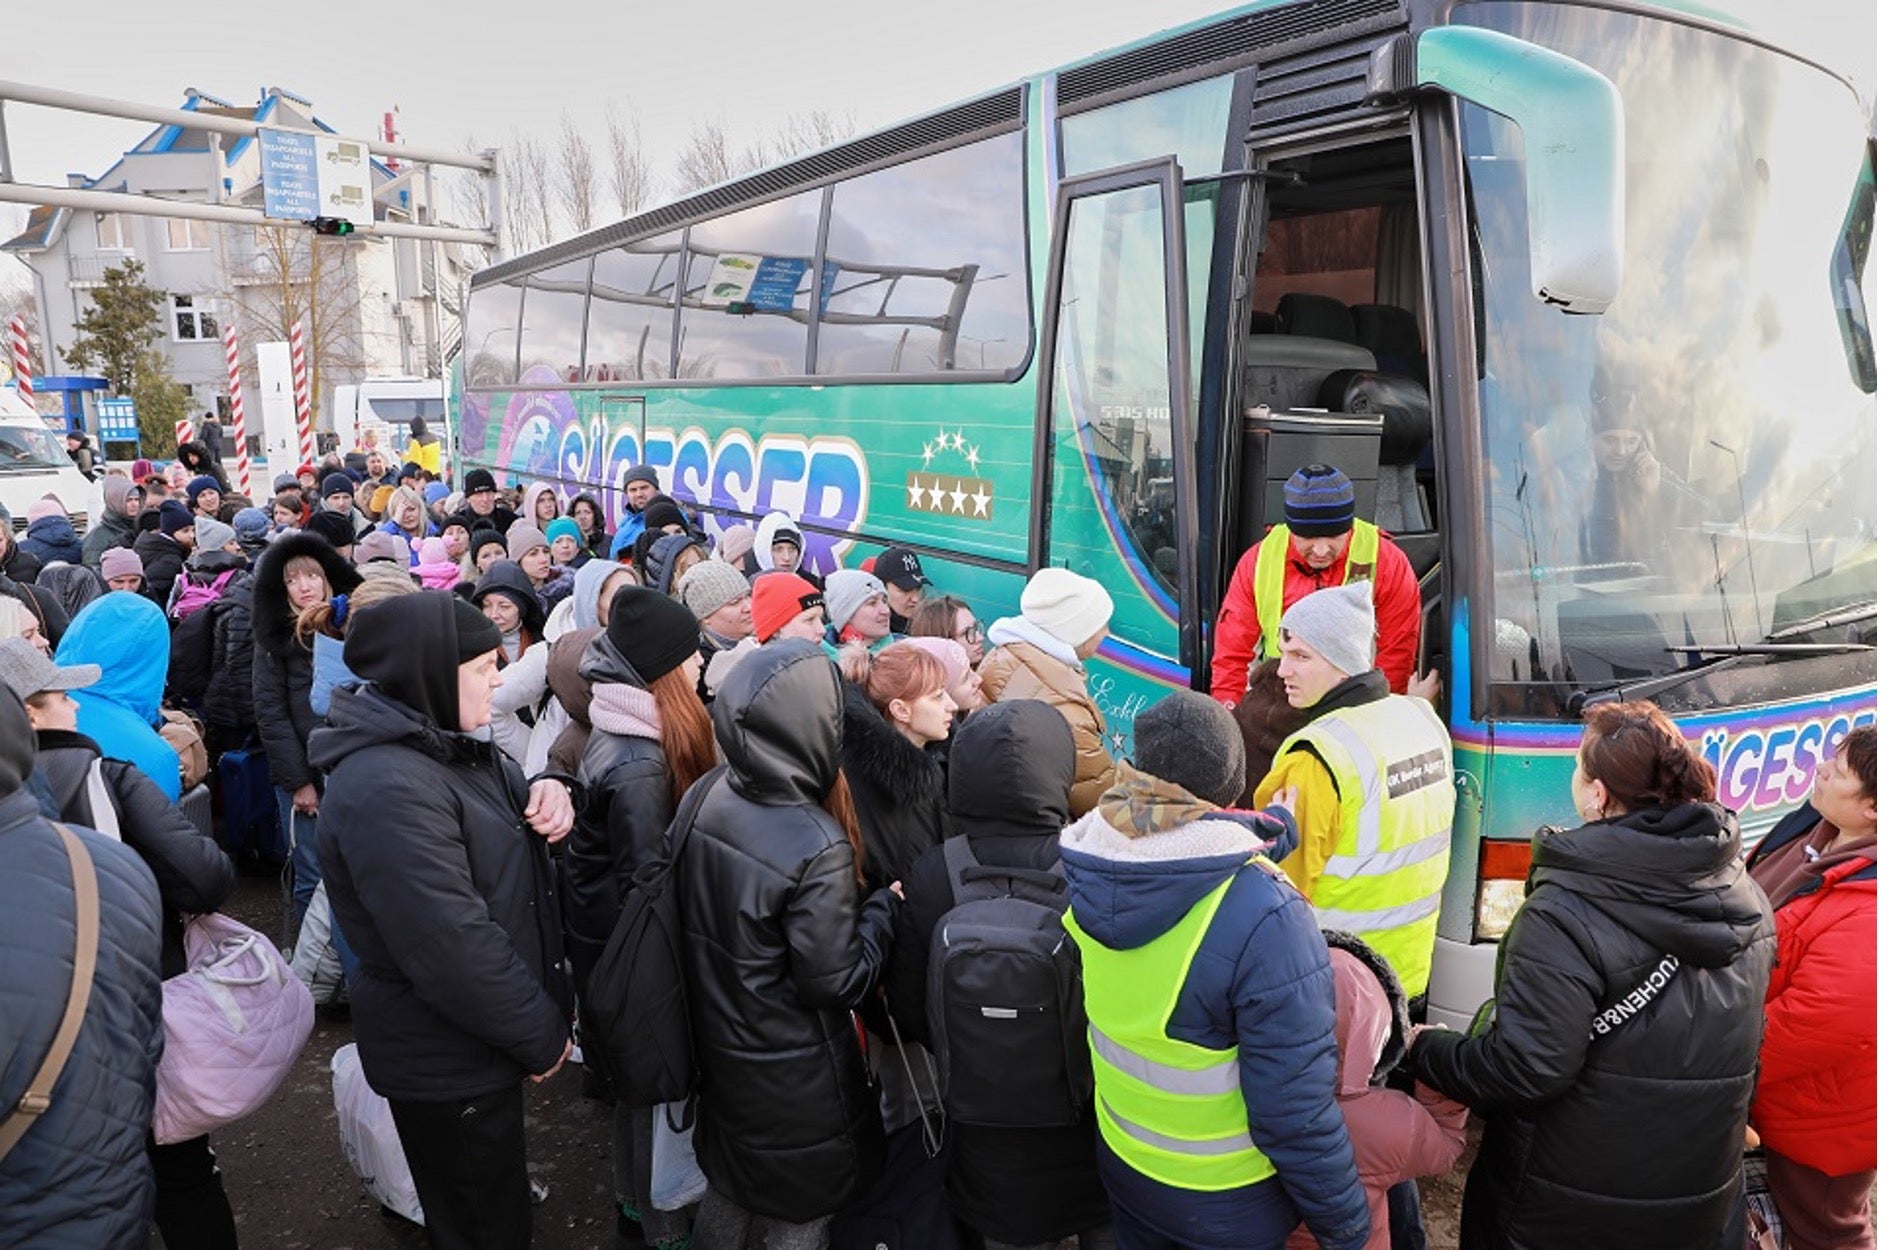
x=707, y=158
x=630, y=178
x=295, y=274
x=575, y=182
x=528, y=195
x=808, y=132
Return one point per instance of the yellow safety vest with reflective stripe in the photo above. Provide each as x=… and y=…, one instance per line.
x=1391, y=761
x=1171, y=1110
x=1271, y=570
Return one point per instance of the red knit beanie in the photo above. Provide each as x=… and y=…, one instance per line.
x=776, y=598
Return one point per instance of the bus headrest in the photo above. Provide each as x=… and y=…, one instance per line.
x=1318, y=316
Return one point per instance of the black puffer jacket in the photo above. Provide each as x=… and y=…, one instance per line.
x=898, y=787
x=1632, y=1138
x=630, y=803
x=445, y=896
x=229, y=699
x=194, y=875
x=162, y=557
x=283, y=669
x=1010, y=777
x=778, y=950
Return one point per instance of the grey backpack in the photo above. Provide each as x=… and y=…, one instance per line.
x=1006, y=1003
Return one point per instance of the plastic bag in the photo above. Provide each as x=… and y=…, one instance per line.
x=316, y=962
x=370, y=1138
x=677, y=1180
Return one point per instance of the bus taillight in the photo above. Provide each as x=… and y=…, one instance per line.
x=1502, y=867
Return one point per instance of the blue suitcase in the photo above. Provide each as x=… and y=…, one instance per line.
x=251, y=822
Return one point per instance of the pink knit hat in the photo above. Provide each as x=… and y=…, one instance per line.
x=432, y=551
x=953, y=656
x=43, y=507
x=120, y=562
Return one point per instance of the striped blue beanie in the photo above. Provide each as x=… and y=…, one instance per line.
x=1318, y=502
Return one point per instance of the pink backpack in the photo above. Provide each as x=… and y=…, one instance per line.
x=193, y=596
x=233, y=1025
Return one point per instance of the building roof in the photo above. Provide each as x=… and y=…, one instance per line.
x=41, y=225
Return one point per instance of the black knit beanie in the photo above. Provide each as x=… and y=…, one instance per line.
x=477, y=633
x=1190, y=739
x=652, y=632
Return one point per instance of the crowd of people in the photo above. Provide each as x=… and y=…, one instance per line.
x=954, y=973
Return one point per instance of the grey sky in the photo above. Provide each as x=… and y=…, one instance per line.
x=483, y=68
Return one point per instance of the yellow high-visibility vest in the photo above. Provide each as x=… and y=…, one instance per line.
x=1169, y=1109
x=1391, y=761
x=1271, y=570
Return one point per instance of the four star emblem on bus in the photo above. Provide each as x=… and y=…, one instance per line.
x=951, y=494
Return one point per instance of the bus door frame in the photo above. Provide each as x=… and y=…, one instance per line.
x=1167, y=176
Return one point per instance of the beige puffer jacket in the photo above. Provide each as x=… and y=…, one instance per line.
x=1021, y=670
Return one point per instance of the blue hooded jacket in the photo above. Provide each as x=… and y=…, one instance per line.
x=53, y=538
x=1260, y=984
x=127, y=637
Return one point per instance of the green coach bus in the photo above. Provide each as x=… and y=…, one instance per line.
x=1575, y=293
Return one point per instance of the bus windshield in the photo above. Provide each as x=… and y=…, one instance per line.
x=1696, y=468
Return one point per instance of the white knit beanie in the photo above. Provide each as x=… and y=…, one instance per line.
x=1069, y=607
x=1337, y=624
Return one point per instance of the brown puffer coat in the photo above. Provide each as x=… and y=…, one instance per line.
x=1019, y=670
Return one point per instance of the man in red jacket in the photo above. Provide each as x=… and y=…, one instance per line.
x=1319, y=544
x=1815, y=1105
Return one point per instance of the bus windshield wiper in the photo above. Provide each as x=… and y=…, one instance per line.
x=1631, y=688
x=1827, y=620
x=1772, y=648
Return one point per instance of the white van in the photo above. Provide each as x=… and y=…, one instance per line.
x=33, y=462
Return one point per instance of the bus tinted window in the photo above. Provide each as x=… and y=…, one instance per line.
x=630, y=311
x=490, y=335
x=552, y=319
x=1190, y=122
x=926, y=266
x=747, y=300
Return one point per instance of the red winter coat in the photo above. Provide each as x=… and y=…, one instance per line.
x=1395, y=607
x=1816, y=1099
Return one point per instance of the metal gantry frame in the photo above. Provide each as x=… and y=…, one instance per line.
x=485, y=163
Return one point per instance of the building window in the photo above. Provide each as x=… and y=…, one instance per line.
x=114, y=234
x=192, y=321
x=188, y=235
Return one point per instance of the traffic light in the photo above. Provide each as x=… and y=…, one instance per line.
x=338, y=227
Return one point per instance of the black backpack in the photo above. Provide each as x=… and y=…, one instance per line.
x=1006, y=1001
x=637, y=1001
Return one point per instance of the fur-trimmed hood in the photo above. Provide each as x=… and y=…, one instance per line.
x=1371, y=1022
x=874, y=753
x=1128, y=891
x=272, y=620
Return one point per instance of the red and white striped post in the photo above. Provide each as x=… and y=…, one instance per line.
x=303, y=396
x=232, y=355
x=22, y=357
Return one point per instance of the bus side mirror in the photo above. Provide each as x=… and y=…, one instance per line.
x=1571, y=119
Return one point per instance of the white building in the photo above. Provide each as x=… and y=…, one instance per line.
x=379, y=307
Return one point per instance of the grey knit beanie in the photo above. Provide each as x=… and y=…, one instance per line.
x=1337, y=624
x=710, y=585
x=845, y=591
x=1191, y=740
